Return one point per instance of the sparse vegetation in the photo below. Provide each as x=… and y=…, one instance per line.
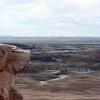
x=80, y=62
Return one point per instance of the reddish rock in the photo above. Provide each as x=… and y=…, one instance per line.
x=12, y=62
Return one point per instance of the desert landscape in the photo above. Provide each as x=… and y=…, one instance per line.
x=49, y=49
x=60, y=71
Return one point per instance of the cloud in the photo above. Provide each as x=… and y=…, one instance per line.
x=50, y=17
x=83, y=4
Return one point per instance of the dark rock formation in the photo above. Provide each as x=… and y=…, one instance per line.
x=12, y=62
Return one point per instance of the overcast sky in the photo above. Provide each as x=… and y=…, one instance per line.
x=50, y=17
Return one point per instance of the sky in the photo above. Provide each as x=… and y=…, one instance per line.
x=74, y=18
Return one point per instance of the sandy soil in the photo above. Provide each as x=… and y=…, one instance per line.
x=85, y=86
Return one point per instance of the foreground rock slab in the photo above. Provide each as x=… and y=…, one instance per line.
x=12, y=62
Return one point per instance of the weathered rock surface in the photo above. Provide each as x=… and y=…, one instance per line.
x=12, y=62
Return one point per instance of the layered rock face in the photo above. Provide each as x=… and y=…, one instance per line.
x=12, y=62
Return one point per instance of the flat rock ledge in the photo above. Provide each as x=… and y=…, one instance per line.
x=12, y=62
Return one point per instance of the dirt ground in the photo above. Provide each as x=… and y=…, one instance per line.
x=76, y=87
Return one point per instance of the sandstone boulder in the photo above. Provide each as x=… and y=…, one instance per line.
x=12, y=62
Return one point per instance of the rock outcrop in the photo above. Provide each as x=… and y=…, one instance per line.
x=12, y=62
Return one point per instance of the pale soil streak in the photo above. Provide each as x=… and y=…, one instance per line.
x=60, y=77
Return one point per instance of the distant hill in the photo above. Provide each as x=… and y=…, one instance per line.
x=54, y=40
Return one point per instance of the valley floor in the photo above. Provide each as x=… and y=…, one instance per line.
x=82, y=86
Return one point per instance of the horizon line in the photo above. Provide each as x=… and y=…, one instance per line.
x=53, y=36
